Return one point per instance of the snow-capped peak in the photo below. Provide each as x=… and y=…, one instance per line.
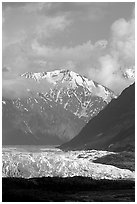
x=72, y=80
x=36, y=76
x=61, y=75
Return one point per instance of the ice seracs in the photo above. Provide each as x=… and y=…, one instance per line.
x=61, y=164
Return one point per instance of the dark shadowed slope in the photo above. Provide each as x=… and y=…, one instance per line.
x=36, y=127
x=113, y=128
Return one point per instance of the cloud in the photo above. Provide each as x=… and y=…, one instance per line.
x=32, y=48
x=123, y=40
x=76, y=10
x=121, y=55
x=110, y=74
x=74, y=53
x=50, y=26
x=20, y=26
x=34, y=7
x=19, y=87
x=19, y=34
x=81, y=57
x=105, y=62
x=5, y=69
x=101, y=43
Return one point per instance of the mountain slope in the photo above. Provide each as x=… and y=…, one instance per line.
x=37, y=122
x=54, y=116
x=113, y=128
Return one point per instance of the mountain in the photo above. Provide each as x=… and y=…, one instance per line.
x=54, y=116
x=83, y=97
x=112, y=129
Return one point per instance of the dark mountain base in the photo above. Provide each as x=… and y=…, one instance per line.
x=122, y=160
x=57, y=189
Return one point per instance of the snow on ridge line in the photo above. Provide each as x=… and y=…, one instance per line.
x=52, y=76
x=41, y=75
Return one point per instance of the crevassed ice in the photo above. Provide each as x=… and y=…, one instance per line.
x=59, y=163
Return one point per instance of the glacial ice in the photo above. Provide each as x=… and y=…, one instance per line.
x=54, y=162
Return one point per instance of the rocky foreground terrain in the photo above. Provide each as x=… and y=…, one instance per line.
x=77, y=189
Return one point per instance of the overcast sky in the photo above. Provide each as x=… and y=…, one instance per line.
x=93, y=39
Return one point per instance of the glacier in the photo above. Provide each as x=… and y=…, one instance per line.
x=53, y=162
